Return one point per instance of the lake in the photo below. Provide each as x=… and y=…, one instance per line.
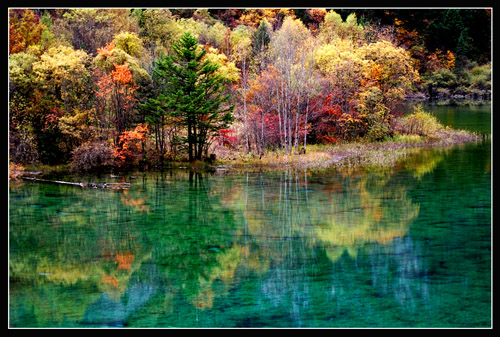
x=408, y=246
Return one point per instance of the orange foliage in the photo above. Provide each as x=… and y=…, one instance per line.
x=317, y=14
x=326, y=139
x=106, y=50
x=106, y=279
x=448, y=60
x=121, y=74
x=124, y=260
x=372, y=76
x=129, y=144
x=139, y=204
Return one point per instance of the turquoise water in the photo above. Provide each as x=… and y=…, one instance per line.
x=408, y=246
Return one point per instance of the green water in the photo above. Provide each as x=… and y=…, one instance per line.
x=473, y=118
x=408, y=246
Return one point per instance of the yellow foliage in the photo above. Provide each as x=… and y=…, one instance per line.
x=60, y=64
x=227, y=69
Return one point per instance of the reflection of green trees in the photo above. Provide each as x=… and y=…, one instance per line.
x=68, y=239
x=190, y=232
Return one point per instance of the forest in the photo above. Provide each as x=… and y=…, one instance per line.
x=122, y=88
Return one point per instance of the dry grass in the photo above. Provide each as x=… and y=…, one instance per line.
x=354, y=154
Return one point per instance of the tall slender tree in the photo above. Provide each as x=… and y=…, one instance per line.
x=192, y=91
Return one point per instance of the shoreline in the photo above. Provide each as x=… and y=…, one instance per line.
x=353, y=154
x=357, y=154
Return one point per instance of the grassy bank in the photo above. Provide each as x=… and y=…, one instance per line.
x=383, y=153
x=354, y=154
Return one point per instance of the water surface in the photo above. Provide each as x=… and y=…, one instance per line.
x=408, y=246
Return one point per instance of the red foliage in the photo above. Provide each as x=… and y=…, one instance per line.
x=225, y=139
x=324, y=119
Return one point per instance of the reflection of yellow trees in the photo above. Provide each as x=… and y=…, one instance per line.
x=109, y=274
x=55, y=305
x=425, y=161
x=375, y=214
x=223, y=271
x=74, y=243
x=227, y=262
x=340, y=214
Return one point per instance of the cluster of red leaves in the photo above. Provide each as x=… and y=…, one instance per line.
x=226, y=139
x=52, y=117
x=325, y=118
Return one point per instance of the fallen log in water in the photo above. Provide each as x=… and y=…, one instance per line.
x=113, y=186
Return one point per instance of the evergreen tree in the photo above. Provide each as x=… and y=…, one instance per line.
x=261, y=37
x=192, y=92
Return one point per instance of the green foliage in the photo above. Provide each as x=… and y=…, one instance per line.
x=262, y=36
x=334, y=27
x=481, y=77
x=474, y=81
x=378, y=131
x=192, y=92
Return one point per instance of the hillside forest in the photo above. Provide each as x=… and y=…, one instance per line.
x=120, y=88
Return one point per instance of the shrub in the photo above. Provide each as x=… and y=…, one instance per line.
x=378, y=131
x=92, y=156
x=419, y=123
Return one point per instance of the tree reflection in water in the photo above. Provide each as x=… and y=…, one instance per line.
x=184, y=248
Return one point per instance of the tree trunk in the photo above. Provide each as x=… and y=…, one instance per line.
x=305, y=123
x=190, y=141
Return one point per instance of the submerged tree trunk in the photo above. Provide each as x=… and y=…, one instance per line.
x=113, y=186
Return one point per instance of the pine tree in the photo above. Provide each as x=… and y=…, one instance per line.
x=192, y=92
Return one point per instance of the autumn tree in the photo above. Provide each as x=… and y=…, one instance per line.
x=92, y=28
x=342, y=64
x=25, y=30
x=50, y=102
x=115, y=99
x=390, y=68
x=290, y=48
x=241, y=44
x=334, y=27
x=131, y=145
x=261, y=102
x=192, y=91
